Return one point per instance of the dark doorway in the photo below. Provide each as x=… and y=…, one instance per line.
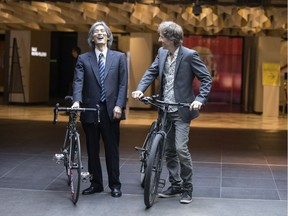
x=2, y=45
x=61, y=64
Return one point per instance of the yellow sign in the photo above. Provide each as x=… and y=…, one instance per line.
x=271, y=74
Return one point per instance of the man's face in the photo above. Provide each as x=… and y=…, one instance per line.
x=74, y=53
x=166, y=44
x=100, y=35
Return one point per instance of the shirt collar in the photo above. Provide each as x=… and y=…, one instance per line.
x=98, y=53
x=175, y=53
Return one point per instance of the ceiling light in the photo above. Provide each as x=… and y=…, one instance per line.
x=197, y=10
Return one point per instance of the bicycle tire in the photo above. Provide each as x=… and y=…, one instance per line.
x=65, y=151
x=68, y=172
x=147, y=146
x=153, y=171
x=75, y=168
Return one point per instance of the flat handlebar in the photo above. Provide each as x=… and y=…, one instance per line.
x=159, y=103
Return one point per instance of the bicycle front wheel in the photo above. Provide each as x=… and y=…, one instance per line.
x=66, y=152
x=153, y=171
x=75, y=168
x=147, y=146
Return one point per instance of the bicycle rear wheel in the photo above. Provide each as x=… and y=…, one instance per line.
x=153, y=171
x=147, y=146
x=75, y=168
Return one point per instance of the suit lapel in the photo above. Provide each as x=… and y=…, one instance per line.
x=162, y=60
x=94, y=65
x=109, y=61
x=178, y=60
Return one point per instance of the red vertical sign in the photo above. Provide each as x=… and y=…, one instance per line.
x=223, y=58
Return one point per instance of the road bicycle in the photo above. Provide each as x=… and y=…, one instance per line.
x=153, y=150
x=71, y=151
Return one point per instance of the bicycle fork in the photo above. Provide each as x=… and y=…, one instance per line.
x=162, y=182
x=59, y=158
x=142, y=152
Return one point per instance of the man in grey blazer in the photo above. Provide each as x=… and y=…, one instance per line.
x=101, y=78
x=177, y=67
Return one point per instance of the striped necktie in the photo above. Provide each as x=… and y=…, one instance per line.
x=101, y=73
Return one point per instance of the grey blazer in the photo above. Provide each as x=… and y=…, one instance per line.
x=188, y=66
x=87, y=87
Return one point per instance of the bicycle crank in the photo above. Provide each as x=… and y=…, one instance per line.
x=85, y=176
x=162, y=183
x=58, y=158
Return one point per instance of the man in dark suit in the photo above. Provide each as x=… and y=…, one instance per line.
x=101, y=78
x=177, y=67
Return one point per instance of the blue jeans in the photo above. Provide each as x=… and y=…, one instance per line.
x=178, y=157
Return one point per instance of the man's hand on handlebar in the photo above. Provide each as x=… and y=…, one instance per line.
x=75, y=105
x=195, y=105
x=137, y=94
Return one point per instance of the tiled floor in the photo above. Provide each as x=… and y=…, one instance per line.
x=240, y=167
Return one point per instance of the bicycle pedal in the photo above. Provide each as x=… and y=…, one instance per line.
x=85, y=176
x=58, y=158
x=162, y=183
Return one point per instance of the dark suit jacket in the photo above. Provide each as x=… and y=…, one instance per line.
x=87, y=87
x=188, y=66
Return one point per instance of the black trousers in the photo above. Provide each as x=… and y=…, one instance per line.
x=109, y=131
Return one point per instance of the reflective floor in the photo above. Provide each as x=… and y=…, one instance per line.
x=239, y=160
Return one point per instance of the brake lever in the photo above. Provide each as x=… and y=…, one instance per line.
x=56, y=113
x=98, y=112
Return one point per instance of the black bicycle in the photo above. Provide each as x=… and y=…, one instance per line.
x=153, y=150
x=71, y=150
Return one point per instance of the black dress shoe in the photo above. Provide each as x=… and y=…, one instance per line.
x=116, y=192
x=91, y=190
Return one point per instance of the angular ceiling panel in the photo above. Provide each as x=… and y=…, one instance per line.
x=217, y=16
